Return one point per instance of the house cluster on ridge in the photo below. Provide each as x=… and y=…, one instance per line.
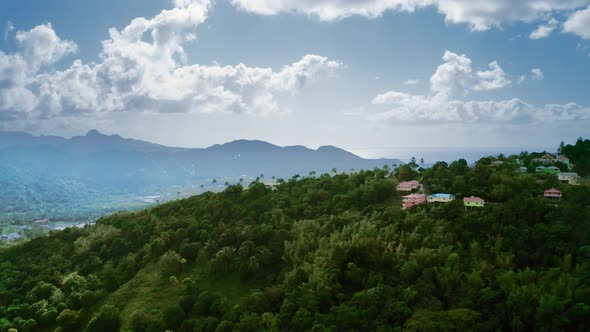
x=550, y=159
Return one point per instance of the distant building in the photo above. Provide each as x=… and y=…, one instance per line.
x=10, y=237
x=41, y=222
x=522, y=169
x=473, y=201
x=569, y=177
x=563, y=159
x=497, y=163
x=553, y=193
x=440, y=198
x=408, y=186
x=413, y=199
x=415, y=184
x=404, y=186
x=546, y=159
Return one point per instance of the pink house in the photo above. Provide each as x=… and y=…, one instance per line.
x=415, y=184
x=553, y=193
x=404, y=186
x=413, y=199
x=408, y=185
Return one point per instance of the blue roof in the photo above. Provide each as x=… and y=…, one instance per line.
x=443, y=196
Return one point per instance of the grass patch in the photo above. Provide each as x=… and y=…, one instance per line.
x=149, y=292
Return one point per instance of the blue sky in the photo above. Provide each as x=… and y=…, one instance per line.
x=370, y=76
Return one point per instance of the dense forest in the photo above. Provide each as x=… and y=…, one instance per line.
x=579, y=153
x=320, y=252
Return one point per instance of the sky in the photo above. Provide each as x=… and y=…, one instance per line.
x=375, y=77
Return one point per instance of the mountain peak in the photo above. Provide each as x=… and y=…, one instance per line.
x=94, y=133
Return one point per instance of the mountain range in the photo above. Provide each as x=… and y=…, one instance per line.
x=128, y=165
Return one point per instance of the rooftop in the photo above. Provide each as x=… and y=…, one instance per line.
x=552, y=190
x=569, y=173
x=443, y=195
x=473, y=199
x=415, y=196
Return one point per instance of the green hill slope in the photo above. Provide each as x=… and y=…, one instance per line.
x=325, y=253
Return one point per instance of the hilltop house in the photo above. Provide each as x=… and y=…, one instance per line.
x=563, y=159
x=547, y=170
x=413, y=199
x=440, y=198
x=553, y=193
x=569, y=177
x=404, y=186
x=473, y=201
x=546, y=159
x=497, y=163
x=408, y=185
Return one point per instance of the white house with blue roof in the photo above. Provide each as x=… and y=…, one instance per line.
x=440, y=198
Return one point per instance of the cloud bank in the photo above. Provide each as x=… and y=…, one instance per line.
x=456, y=77
x=480, y=15
x=142, y=67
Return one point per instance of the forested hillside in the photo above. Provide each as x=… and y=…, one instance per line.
x=330, y=252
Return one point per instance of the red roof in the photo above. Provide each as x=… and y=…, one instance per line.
x=562, y=158
x=552, y=191
x=473, y=199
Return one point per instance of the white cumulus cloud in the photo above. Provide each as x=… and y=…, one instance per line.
x=8, y=28
x=579, y=23
x=39, y=48
x=142, y=67
x=480, y=15
x=412, y=82
x=543, y=31
x=537, y=74
x=456, y=75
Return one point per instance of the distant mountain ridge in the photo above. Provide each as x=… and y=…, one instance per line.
x=128, y=165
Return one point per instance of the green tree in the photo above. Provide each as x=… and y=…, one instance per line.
x=107, y=319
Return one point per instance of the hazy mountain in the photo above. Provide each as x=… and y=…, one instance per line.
x=128, y=165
